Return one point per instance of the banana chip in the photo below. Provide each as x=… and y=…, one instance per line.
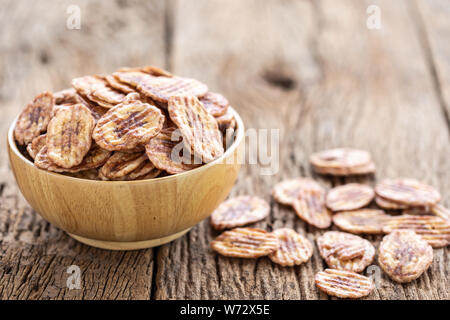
x=344, y=284
x=293, y=248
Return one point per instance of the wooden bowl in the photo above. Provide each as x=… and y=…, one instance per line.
x=128, y=215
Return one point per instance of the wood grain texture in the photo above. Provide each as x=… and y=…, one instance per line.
x=309, y=68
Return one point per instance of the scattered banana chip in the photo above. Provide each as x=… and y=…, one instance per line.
x=95, y=158
x=344, y=284
x=127, y=126
x=368, y=221
x=287, y=191
x=404, y=255
x=310, y=207
x=433, y=229
x=245, y=243
x=345, y=251
x=34, y=119
x=349, y=197
x=441, y=211
x=199, y=129
x=121, y=164
x=69, y=135
x=239, y=211
x=342, y=162
x=36, y=145
x=389, y=205
x=215, y=103
x=293, y=248
x=407, y=191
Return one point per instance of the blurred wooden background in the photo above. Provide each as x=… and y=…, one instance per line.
x=310, y=68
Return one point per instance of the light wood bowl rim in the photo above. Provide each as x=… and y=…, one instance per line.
x=230, y=150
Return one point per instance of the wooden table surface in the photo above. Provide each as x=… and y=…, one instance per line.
x=309, y=68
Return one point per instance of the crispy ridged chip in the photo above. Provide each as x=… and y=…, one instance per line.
x=36, y=145
x=128, y=125
x=345, y=251
x=369, y=221
x=95, y=158
x=349, y=197
x=199, y=129
x=120, y=86
x=407, y=191
x=97, y=89
x=121, y=164
x=310, y=207
x=34, y=119
x=404, y=255
x=293, y=248
x=66, y=96
x=287, y=191
x=69, y=135
x=239, y=211
x=245, y=243
x=215, y=103
x=344, y=284
x=441, y=211
x=342, y=161
x=433, y=229
x=160, y=152
x=152, y=70
x=389, y=205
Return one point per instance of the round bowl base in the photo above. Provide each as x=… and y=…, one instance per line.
x=128, y=245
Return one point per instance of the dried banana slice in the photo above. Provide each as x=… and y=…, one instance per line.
x=369, y=221
x=404, y=255
x=245, y=243
x=310, y=207
x=119, y=86
x=344, y=284
x=349, y=197
x=66, y=96
x=389, y=205
x=433, y=229
x=342, y=161
x=96, y=89
x=287, y=191
x=160, y=151
x=127, y=126
x=293, y=248
x=407, y=191
x=239, y=211
x=345, y=251
x=215, y=103
x=34, y=119
x=121, y=164
x=69, y=135
x=36, y=145
x=199, y=129
x=358, y=170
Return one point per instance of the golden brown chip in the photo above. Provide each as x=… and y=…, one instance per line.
x=369, y=221
x=441, y=211
x=433, y=229
x=152, y=70
x=407, y=191
x=349, y=197
x=293, y=248
x=66, y=96
x=345, y=251
x=239, y=211
x=344, y=284
x=287, y=191
x=122, y=87
x=96, y=110
x=310, y=207
x=34, y=119
x=215, y=103
x=128, y=125
x=199, y=129
x=404, y=255
x=389, y=205
x=342, y=161
x=131, y=77
x=69, y=135
x=121, y=164
x=161, y=150
x=163, y=88
x=36, y=145
x=95, y=158
x=245, y=243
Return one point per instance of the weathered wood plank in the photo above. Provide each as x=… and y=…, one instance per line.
x=315, y=71
x=39, y=53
